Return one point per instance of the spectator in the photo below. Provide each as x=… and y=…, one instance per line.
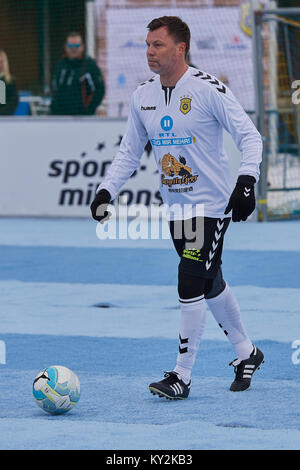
x=78, y=86
x=12, y=98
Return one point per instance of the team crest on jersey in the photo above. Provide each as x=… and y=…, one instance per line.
x=185, y=104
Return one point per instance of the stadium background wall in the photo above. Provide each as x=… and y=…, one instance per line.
x=52, y=167
x=23, y=25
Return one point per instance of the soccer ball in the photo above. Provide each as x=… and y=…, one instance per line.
x=56, y=389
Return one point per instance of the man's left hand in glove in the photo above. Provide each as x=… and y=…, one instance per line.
x=242, y=199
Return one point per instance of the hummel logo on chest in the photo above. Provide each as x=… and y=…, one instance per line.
x=148, y=108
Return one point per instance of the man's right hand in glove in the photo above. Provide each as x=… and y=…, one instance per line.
x=99, y=206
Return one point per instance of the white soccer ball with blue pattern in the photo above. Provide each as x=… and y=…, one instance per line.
x=56, y=389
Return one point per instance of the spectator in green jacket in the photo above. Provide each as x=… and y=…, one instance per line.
x=11, y=92
x=78, y=86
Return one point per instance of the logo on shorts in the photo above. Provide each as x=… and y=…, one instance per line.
x=185, y=104
x=215, y=243
x=192, y=254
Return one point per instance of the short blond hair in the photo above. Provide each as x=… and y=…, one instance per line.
x=6, y=73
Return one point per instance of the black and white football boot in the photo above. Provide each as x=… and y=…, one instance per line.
x=171, y=387
x=245, y=369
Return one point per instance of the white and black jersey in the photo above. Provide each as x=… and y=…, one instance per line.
x=185, y=127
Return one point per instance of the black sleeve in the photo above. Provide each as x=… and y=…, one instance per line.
x=55, y=79
x=94, y=91
x=54, y=108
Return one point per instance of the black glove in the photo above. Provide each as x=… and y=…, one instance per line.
x=242, y=199
x=99, y=205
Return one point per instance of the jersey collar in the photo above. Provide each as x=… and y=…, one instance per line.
x=184, y=77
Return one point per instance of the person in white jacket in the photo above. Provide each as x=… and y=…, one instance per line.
x=183, y=111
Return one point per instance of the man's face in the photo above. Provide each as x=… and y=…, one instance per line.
x=162, y=52
x=74, y=47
